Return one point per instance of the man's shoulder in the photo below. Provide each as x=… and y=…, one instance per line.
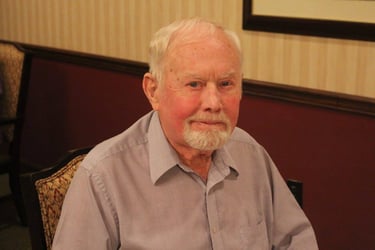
x=121, y=144
x=241, y=139
x=241, y=136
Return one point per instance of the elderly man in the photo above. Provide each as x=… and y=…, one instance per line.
x=184, y=176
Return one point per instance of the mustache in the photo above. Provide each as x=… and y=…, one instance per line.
x=221, y=117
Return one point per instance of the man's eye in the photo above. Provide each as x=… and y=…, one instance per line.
x=194, y=84
x=225, y=83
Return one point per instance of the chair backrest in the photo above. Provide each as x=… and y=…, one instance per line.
x=15, y=65
x=296, y=187
x=44, y=193
x=11, y=69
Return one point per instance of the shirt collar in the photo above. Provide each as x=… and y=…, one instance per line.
x=223, y=159
x=163, y=157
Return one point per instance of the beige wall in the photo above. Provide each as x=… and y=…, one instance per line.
x=122, y=29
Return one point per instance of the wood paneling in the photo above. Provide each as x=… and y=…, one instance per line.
x=319, y=98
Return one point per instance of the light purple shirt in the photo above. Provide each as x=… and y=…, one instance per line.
x=132, y=192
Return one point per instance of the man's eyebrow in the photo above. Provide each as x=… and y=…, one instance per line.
x=190, y=75
x=228, y=75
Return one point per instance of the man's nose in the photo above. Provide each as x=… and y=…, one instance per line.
x=211, y=99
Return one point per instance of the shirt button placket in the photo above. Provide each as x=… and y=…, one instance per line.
x=213, y=221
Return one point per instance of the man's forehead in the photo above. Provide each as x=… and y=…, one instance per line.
x=195, y=74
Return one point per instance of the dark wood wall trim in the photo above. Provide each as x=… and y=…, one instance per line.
x=319, y=98
x=95, y=61
x=324, y=99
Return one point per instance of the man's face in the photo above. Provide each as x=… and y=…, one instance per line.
x=200, y=97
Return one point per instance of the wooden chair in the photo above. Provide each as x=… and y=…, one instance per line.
x=296, y=187
x=44, y=193
x=14, y=72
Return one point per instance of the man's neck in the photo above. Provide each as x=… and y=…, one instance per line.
x=199, y=161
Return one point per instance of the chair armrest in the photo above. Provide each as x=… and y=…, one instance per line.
x=8, y=120
x=34, y=217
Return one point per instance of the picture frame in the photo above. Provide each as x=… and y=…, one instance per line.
x=344, y=19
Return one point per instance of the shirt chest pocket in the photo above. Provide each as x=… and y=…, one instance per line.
x=254, y=237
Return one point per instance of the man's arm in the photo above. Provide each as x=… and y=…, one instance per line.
x=292, y=229
x=87, y=220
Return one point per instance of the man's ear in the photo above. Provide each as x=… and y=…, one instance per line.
x=150, y=87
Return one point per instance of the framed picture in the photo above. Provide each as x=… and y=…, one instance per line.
x=347, y=19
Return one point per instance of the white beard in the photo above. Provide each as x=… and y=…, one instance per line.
x=206, y=140
x=209, y=139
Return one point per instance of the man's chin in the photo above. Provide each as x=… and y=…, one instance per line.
x=206, y=140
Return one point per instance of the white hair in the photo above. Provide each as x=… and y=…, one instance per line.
x=162, y=40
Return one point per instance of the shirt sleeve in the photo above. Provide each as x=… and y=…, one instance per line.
x=291, y=229
x=88, y=219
